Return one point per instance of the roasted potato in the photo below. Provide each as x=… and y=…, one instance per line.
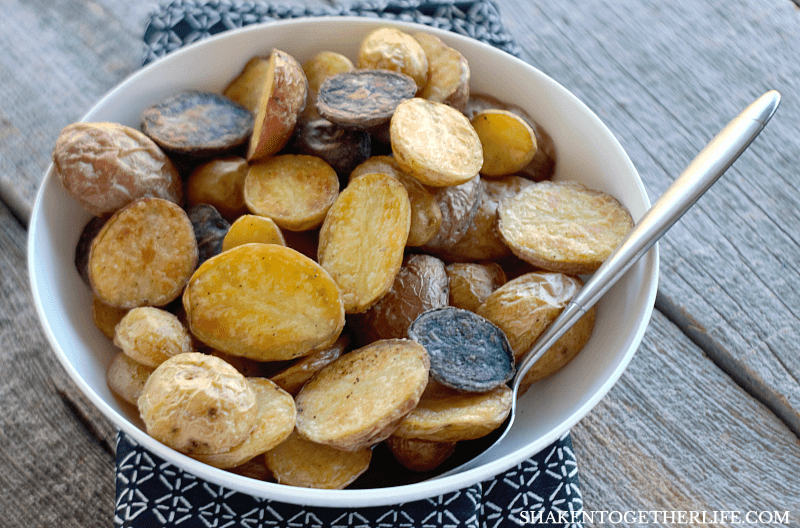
x=508, y=142
x=471, y=283
x=419, y=455
x=106, y=317
x=151, y=336
x=220, y=183
x=448, y=72
x=253, y=229
x=247, y=87
x=292, y=378
x=358, y=400
x=198, y=404
x=126, y=377
x=395, y=50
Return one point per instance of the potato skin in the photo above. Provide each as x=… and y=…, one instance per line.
x=419, y=455
x=448, y=72
x=106, y=166
x=151, y=336
x=126, y=377
x=220, y=183
x=395, y=50
x=198, y=404
x=471, y=283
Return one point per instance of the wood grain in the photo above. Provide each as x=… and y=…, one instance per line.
x=665, y=77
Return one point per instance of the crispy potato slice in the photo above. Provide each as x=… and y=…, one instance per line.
x=265, y=302
x=106, y=166
x=508, y=142
x=198, y=404
x=282, y=100
x=420, y=285
x=220, y=183
x=292, y=378
x=448, y=72
x=300, y=462
x=481, y=240
x=126, y=377
x=143, y=255
x=247, y=87
x=358, y=400
x=274, y=423
x=525, y=306
x=197, y=124
x=426, y=216
x=458, y=205
x=446, y=415
x=435, y=143
x=471, y=283
x=106, y=317
x=395, y=50
x=151, y=336
x=419, y=455
x=542, y=166
x=362, y=240
x=562, y=351
x=294, y=190
x=563, y=226
x=253, y=229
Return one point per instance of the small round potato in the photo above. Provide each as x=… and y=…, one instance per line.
x=435, y=143
x=300, y=462
x=294, y=190
x=419, y=455
x=508, y=142
x=563, y=226
x=151, y=336
x=392, y=49
x=106, y=166
x=253, y=229
x=220, y=183
x=144, y=255
x=471, y=283
x=198, y=404
x=106, y=317
x=274, y=424
x=358, y=400
x=458, y=204
x=448, y=72
x=126, y=377
x=525, y=306
x=246, y=88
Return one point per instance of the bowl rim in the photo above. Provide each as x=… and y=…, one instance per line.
x=346, y=497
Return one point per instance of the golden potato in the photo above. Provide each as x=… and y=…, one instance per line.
x=247, y=87
x=143, y=255
x=253, y=229
x=471, y=283
x=106, y=166
x=198, y=404
x=106, y=317
x=220, y=183
x=358, y=400
x=426, y=216
x=562, y=351
x=126, y=377
x=481, y=240
x=563, y=226
x=362, y=240
x=420, y=285
x=294, y=190
x=448, y=72
x=282, y=100
x=419, y=455
x=265, y=302
x=292, y=378
x=323, y=65
x=151, y=336
x=395, y=50
x=446, y=415
x=508, y=142
x=300, y=462
x=525, y=306
x=274, y=423
x=435, y=143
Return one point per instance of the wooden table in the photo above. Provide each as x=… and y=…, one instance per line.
x=706, y=417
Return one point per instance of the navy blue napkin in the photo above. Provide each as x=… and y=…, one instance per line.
x=151, y=492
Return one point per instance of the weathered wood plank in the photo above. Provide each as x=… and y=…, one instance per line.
x=692, y=439
x=665, y=77
x=55, y=471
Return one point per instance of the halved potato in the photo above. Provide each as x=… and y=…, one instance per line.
x=247, y=87
x=249, y=229
x=292, y=378
x=508, y=142
x=265, y=302
x=358, y=400
x=126, y=377
x=448, y=72
x=392, y=49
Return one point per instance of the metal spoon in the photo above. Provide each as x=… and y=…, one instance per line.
x=698, y=177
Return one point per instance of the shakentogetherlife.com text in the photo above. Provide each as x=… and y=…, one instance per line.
x=644, y=517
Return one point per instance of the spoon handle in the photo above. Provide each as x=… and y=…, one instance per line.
x=701, y=174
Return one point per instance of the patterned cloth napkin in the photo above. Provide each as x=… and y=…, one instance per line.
x=151, y=492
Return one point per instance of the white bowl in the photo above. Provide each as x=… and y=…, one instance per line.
x=587, y=152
